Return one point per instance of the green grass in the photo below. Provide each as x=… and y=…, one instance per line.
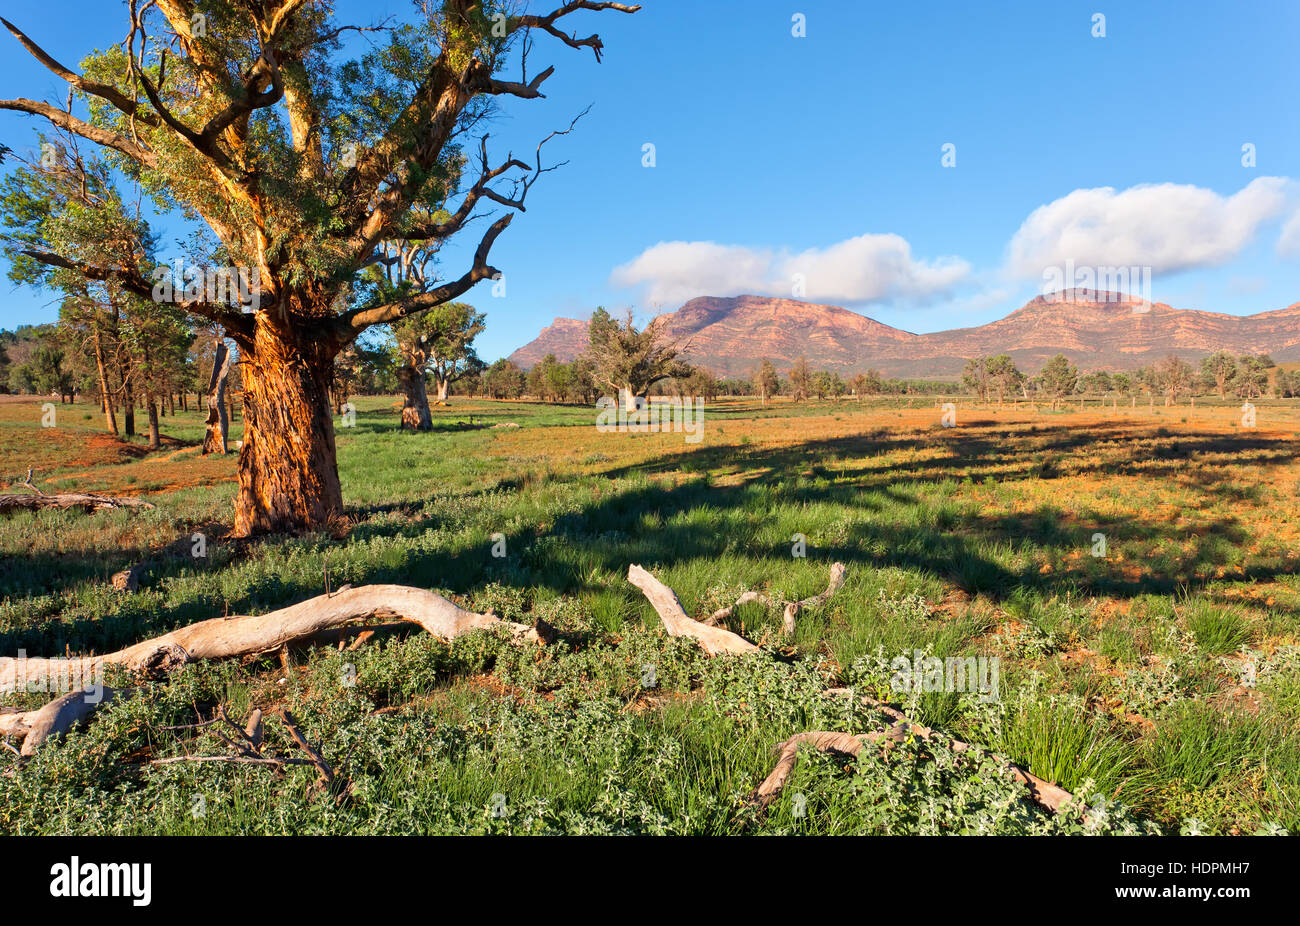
x=1118, y=673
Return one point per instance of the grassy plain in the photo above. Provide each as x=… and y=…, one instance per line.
x=1162, y=675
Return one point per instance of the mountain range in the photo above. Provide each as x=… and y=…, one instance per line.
x=1096, y=330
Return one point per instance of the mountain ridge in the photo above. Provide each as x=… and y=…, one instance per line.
x=1096, y=330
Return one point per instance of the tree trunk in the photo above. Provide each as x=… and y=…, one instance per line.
x=152, y=405
x=629, y=399
x=110, y=417
x=444, y=385
x=288, y=474
x=214, y=441
x=128, y=408
x=415, y=407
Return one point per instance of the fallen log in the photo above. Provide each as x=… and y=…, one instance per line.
x=250, y=635
x=88, y=501
x=788, y=756
x=717, y=640
x=34, y=727
x=663, y=599
x=1043, y=793
x=789, y=609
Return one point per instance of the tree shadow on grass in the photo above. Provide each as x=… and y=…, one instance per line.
x=700, y=518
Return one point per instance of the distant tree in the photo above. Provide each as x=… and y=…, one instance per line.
x=975, y=377
x=1219, y=369
x=1253, y=375
x=538, y=381
x=556, y=379
x=582, y=380
x=766, y=381
x=631, y=361
x=1098, y=382
x=868, y=383
x=838, y=386
x=49, y=373
x=438, y=341
x=703, y=384
x=1058, y=378
x=1174, y=376
x=1003, y=377
x=821, y=383
x=452, y=353
x=801, y=380
x=504, y=380
x=412, y=337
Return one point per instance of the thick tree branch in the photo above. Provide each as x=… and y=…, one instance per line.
x=479, y=190
x=70, y=123
x=547, y=22
x=359, y=319
x=120, y=100
x=528, y=91
x=130, y=280
x=418, y=136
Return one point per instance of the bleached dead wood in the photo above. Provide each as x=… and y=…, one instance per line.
x=247, y=635
x=1044, y=793
x=717, y=640
x=789, y=609
x=788, y=757
x=663, y=599
x=214, y=439
x=60, y=715
x=88, y=500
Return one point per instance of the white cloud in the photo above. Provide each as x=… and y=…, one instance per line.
x=868, y=268
x=1288, y=245
x=675, y=271
x=1165, y=226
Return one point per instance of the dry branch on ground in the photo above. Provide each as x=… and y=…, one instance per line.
x=225, y=638
x=37, y=500
x=789, y=609
x=716, y=640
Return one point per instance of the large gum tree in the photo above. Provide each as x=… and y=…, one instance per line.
x=246, y=115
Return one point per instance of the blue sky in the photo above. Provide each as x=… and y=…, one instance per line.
x=778, y=155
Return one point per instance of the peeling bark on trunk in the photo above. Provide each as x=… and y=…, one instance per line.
x=214, y=441
x=415, y=406
x=288, y=476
